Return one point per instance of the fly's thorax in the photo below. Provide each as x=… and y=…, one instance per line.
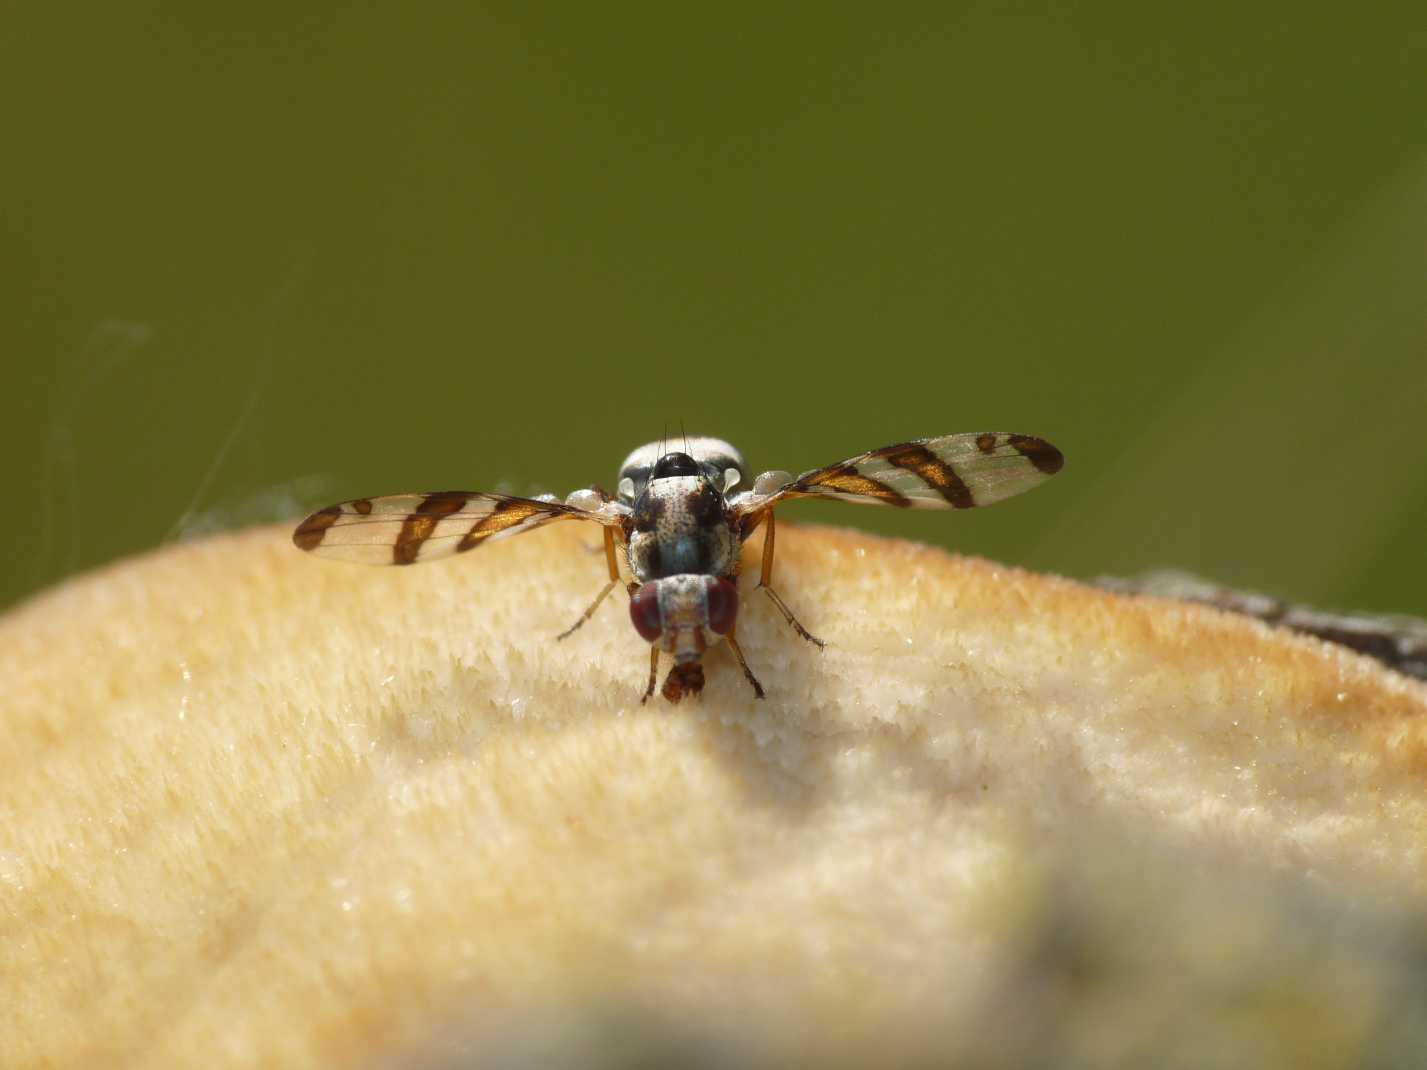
x=681, y=526
x=685, y=614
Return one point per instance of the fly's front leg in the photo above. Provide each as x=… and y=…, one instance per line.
x=613, y=579
x=763, y=580
x=738, y=653
x=653, y=673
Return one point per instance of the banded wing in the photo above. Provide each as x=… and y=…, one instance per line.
x=950, y=472
x=404, y=529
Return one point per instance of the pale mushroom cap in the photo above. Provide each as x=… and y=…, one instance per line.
x=260, y=809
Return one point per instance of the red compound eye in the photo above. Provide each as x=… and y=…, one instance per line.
x=644, y=612
x=723, y=605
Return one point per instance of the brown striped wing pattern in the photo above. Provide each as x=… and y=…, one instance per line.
x=404, y=529
x=951, y=472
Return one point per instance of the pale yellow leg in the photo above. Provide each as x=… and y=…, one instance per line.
x=738, y=653
x=613, y=579
x=764, y=578
x=653, y=673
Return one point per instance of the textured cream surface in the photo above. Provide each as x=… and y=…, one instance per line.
x=260, y=809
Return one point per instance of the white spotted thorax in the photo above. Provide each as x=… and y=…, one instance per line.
x=679, y=518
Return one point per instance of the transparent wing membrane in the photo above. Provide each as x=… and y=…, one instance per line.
x=951, y=472
x=404, y=529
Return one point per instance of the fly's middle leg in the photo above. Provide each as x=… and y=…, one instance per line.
x=763, y=584
x=604, y=592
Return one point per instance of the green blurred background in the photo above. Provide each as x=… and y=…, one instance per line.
x=260, y=258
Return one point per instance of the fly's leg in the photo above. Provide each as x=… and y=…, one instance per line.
x=767, y=575
x=588, y=613
x=738, y=653
x=788, y=616
x=653, y=673
x=613, y=579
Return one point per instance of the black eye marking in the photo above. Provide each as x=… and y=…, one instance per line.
x=706, y=506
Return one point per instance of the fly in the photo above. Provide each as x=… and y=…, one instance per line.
x=679, y=519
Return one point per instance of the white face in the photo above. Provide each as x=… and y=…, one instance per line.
x=715, y=456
